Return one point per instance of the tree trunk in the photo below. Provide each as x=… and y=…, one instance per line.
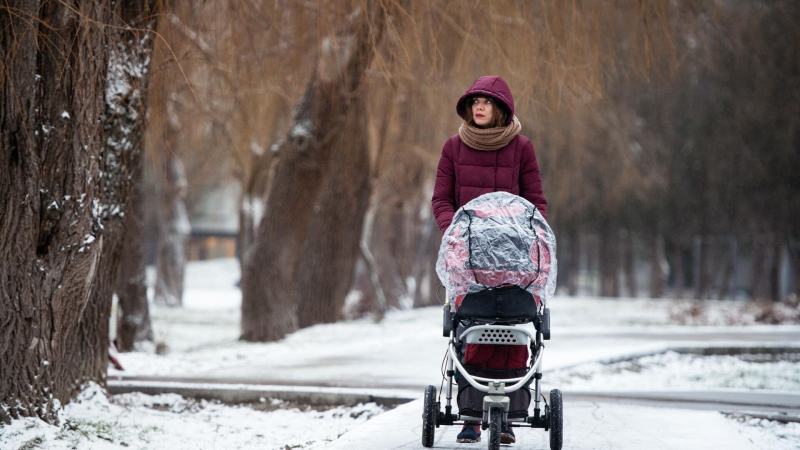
x=369, y=258
x=703, y=270
x=425, y=263
x=677, y=267
x=65, y=103
x=630, y=264
x=609, y=263
x=172, y=239
x=380, y=306
x=759, y=288
x=775, y=268
x=125, y=142
x=334, y=231
x=298, y=247
x=255, y=188
x=658, y=269
x=134, y=325
x=729, y=269
x=250, y=214
x=794, y=259
x=573, y=261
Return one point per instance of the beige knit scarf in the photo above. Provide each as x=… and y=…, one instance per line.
x=489, y=139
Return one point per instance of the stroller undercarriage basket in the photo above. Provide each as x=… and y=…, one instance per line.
x=470, y=400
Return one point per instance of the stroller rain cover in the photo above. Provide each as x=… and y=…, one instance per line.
x=497, y=239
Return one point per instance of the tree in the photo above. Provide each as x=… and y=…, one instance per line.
x=134, y=325
x=126, y=111
x=63, y=191
x=309, y=239
x=174, y=232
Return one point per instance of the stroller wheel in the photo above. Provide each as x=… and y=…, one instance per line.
x=495, y=428
x=556, y=420
x=429, y=414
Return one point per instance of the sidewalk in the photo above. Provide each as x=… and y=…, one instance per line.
x=587, y=426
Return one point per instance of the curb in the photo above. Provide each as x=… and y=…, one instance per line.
x=250, y=393
x=719, y=400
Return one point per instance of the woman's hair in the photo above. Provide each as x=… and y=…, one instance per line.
x=499, y=111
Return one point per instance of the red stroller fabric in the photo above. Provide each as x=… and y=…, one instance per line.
x=496, y=356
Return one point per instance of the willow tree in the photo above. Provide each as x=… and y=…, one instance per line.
x=69, y=124
x=302, y=261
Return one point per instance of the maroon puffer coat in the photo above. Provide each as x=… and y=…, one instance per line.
x=465, y=173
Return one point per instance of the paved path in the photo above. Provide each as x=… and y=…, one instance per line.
x=392, y=355
x=587, y=425
x=413, y=361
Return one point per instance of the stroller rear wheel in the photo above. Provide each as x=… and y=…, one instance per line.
x=556, y=420
x=495, y=428
x=429, y=414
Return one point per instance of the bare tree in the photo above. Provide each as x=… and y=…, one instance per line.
x=63, y=79
x=175, y=229
x=134, y=325
x=296, y=245
x=127, y=94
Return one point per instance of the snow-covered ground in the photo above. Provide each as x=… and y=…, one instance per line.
x=768, y=434
x=200, y=342
x=591, y=426
x=672, y=370
x=169, y=421
x=406, y=348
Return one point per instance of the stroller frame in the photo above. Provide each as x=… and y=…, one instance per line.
x=496, y=403
x=496, y=388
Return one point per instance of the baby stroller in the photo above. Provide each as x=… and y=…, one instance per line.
x=497, y=263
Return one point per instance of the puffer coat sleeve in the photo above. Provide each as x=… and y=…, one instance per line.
x=444, y=192
x=530, y=181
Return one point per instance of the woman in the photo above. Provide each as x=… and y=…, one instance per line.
x=487, y=155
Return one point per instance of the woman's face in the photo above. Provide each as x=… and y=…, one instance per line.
x=482, y=110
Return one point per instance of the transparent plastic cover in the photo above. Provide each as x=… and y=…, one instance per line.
x=497, y=239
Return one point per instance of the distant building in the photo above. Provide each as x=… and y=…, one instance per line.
x=215, y=224
x=211, y=245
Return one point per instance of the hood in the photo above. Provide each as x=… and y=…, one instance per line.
x=492, y=86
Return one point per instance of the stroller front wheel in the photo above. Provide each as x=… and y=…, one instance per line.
x=495, y=428
x=429, y=414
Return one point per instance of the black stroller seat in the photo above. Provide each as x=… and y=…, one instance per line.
x=508, y=304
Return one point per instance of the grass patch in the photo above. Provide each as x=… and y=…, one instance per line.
x=33, y=443
x=145, y=432
x=108, y=431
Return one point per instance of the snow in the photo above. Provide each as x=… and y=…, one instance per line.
x=137, y=421
x=404, y=352
x=769, y=434
x=255, y=147
x=301, y=129
x=253, y=207
x=672, y=370
x=587, y=426
x=202, y=339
